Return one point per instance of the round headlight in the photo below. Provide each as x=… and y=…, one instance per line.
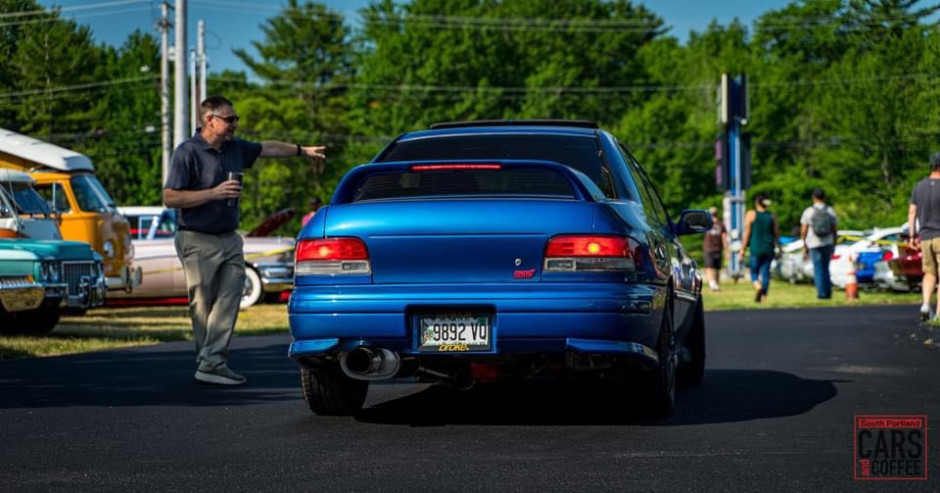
x=108, y=249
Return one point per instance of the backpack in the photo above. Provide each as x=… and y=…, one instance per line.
x=821, y=222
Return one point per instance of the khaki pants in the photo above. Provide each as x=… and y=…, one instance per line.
x=215, y=276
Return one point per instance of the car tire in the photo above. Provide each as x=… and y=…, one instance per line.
x=659, y=384
x=38, y=322
x=254, y=290
x=691, y=372
x=328, y=392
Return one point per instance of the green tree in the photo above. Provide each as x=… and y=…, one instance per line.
x=126, y=144
x=305, y=63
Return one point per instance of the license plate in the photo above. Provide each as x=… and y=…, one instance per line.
x=457, y=332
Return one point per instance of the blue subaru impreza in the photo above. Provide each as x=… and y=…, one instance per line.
x=479, y=251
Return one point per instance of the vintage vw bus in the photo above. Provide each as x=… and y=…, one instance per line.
x=67, y=181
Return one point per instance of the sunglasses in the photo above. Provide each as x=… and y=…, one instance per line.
x=228, y=119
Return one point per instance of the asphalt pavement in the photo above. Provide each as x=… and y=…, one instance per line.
x=774, y=413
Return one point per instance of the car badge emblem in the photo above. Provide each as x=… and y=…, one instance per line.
x=523, y=274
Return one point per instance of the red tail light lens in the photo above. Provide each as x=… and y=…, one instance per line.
x=835, y=256
x=332, y=249
x=331, y=256
x=888, y=255
x=587, y=246
x=575, y=253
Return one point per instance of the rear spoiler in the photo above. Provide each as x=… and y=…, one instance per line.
x=584, y=188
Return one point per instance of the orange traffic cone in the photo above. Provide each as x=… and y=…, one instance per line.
x=851, y=282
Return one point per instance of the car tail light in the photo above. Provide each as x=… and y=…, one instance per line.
x=887, y=255
x=455, y=166
x=579, y=253
x=331, y=256
x=835, y=256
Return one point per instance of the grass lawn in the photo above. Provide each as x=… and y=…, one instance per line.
x=785, y=295
x=109, y=328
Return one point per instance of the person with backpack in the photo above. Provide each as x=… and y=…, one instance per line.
x=818, y=226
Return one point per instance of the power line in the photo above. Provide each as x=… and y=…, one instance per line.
x=75, y=87
x=27, y=13
x=83, y=16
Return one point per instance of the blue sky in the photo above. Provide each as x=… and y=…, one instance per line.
x=234, y=24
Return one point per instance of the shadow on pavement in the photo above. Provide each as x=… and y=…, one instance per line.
x=724, y=396
x=161, y=375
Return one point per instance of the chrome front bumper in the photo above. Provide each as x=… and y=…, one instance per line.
x=276, y=276
x=21, y=294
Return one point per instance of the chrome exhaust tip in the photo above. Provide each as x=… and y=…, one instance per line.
x=368, y=363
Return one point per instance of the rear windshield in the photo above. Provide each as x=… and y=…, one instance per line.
x=580, y=153
x=475, y=183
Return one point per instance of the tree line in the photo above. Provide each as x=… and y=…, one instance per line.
x=842, y=92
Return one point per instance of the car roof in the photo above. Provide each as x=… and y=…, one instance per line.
x=141, y=210
x=501, y=130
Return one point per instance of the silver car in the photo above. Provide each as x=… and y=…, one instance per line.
x=269, y=262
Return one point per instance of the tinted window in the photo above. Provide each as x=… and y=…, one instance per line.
x=634, y=170
x=25, y=199
x=486, y=183
x=140, y=226
x=61, y=201
x=648, y=193
x=580, y=153
x=166, y=228
x=90, y=194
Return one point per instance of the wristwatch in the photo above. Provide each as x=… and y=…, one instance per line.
x=298, y=149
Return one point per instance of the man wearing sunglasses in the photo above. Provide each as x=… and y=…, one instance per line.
x=200, y=184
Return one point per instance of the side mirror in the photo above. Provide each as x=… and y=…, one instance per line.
x=693, y=221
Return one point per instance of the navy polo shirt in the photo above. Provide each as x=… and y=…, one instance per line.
x=196, y=165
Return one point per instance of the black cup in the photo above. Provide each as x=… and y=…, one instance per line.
x=239, y=177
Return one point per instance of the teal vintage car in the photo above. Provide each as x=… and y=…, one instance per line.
x=42, y=279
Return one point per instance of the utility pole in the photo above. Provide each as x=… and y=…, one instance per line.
x=180, y=127
x=165, y=90
x=733, y=153
x=203, y=61
x=198, y=81
x=193, y=119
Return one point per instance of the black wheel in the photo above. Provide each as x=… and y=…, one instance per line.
x=38, y=322
x=327, y=391
x=691, y=372
x=659, y=384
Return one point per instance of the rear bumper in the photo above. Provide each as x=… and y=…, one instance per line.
x=604, y=318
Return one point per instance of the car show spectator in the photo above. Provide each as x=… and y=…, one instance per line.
x=202, y=182
x=923, y=222
x=761, y=236
x=716, y=240
x=818, y=226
